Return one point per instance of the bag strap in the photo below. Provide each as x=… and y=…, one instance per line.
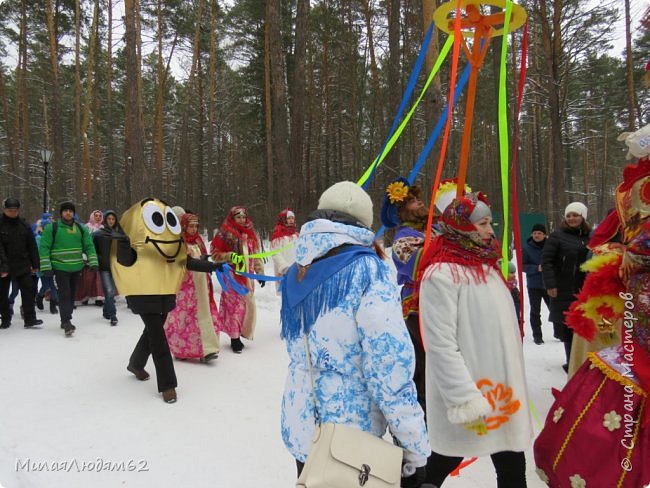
x=311, y=377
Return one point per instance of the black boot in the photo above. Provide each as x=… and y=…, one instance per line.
x=53, y=309
x=237, y=345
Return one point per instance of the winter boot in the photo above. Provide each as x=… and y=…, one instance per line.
x=237, y=345
x=6, y=323
x=169, y=396
x=99, y=303
x=32, y=323
x=141, y=374
x=53, y=309
x=68, y=328
x=113, y=320
x=39, y=302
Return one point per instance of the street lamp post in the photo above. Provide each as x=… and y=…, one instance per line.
x=46, y=154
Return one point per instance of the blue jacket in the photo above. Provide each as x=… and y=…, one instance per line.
x=362, y=355
x=531, y=259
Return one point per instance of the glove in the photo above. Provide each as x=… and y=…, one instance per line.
x=93, y=268
x=216, y=266
x=262, y=283
x=415, y=480
x=49, y=273
x=479, y=426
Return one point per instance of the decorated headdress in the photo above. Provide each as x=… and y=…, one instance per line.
x=447, y=192
x=398, y=193
x=633, y=194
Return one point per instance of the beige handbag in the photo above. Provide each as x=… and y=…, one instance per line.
x=347, y=457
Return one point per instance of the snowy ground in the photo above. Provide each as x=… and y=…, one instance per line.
x=73, y=417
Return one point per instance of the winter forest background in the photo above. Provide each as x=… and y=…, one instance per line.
x=209, y=103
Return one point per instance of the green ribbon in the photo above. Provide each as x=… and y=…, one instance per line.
x=436, y=67
x=503, y=139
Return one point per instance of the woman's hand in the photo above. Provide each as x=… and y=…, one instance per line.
x=552, y=292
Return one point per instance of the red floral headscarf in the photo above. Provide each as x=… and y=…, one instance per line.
x=186, y=220
x=231, y=232
x=282, y=228
x=460, y=241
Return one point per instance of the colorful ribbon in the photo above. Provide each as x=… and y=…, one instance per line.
x=364, y=181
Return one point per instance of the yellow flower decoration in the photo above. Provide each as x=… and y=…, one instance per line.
x=397, y=191
x=557, y=415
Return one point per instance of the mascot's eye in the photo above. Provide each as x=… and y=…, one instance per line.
x=153, y=218
x=172, y=221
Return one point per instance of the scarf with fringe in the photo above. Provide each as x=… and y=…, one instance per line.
x=321, y=289
x=460, y=243
x=319, y=281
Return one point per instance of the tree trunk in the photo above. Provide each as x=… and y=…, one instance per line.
x=77, y=134
x=280, y=127
x=298, y=101
x=134, y=131
x=394, y=70
x=629, y=71
x=112, y=193
x=55, y=96
x=212, y=107
x=552, y=44
x=379, y=131
x=90, y=94
x=268, y=116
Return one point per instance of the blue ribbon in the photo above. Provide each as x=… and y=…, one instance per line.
x=229, y=284
x=407, y=95
x=460, y=86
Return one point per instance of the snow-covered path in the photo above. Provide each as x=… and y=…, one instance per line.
x=73, y=417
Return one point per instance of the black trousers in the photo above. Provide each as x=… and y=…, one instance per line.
x=26, y=286
x=66, y=283
x=510, y=467
x=413, y=327
x=154, y=342
x=535, y=297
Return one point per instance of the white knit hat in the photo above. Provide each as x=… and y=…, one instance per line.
x=576, y=207
x=349, y=198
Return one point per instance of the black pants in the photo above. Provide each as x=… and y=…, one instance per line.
x=66, y=284
x=154, y=342
x=535, y=297
x=26, y=285
x=413, y=327
x=510, y=467
x=566, y=336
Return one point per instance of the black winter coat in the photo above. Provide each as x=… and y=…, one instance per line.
x=19, y=246
x=563, y=254
x=102, y=239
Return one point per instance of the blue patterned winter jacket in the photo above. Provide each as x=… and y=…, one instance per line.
x=362, y=355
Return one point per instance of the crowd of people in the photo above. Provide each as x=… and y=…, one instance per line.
x=438, y=363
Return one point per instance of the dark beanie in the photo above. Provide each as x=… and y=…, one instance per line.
x=67, y=206
x=539, y=227
x=11, y=203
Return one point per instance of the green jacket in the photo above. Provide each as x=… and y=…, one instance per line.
x=66, y=252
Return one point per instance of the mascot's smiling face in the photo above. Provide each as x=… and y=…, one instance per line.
x=155, y=235
x=160, y=220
